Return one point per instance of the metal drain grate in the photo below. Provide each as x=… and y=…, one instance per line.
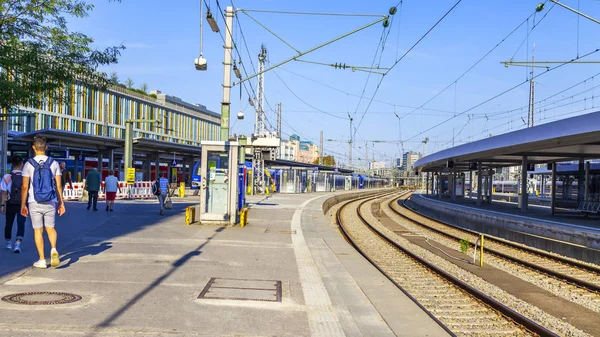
x=41, y=298
x=242, y=290
x=282, y=231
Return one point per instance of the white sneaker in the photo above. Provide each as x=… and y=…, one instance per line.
x=41, y=264
x=17, y=247
x=54, y=260
x=8, y=245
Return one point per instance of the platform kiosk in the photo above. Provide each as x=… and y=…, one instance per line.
x=219, y=185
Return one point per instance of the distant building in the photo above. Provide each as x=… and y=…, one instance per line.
x=375, y=165
x=398, y=162
x=409, y=159
x=297, y=150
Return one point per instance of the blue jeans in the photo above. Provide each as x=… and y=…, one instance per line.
x=12, y=211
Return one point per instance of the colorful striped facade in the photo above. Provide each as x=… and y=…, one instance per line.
x=96, y=112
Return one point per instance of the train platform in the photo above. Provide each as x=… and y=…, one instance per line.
x=567, y=233
x=288, y=272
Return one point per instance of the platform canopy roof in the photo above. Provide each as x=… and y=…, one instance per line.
x=564, y=140
x=93, y=143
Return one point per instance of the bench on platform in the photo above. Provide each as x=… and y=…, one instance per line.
x=589, y=207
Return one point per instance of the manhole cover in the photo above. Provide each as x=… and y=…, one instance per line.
x=41, y=298
x=242, y=289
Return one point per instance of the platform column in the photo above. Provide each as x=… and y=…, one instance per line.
x=479, y=182
x=524, y=194
x=490, y=187
x=580, y=180
x=470, y=184
x=453, y=187
x=148, y=173
x=156, y=166
x=587, y=181
x=111, y=159
x=553, y=200
x=100, y=159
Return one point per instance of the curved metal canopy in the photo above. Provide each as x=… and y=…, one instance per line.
x=563, y=140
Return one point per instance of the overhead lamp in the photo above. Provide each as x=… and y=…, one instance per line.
x=240, y=115
x=200, y=63
x=237, y=72
x=211, y=21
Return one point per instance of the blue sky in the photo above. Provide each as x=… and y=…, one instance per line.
x=163, y=40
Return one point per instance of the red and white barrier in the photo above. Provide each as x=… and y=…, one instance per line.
x=137, y=190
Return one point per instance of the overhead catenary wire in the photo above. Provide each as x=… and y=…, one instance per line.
x=404, y=55
x=501, y=94
x=473, y=65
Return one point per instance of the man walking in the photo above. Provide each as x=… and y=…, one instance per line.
x=164, y=191
x=92, y=185
x=65, y=176
x=42, y=190
x=111, y=186
x=11, y=186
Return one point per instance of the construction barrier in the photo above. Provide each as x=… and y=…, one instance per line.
x=137, y=190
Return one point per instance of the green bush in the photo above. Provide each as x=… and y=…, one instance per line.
x=464, y=246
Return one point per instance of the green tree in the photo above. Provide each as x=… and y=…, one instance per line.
x=39, y=55
x=327, y=161
x=144, y=88
x=114, y=78
x=129, y=83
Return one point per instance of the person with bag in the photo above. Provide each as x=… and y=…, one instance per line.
x=92, y=185
x=11, y=186
x=42, y=198
x=160, y=189
x=111, y=186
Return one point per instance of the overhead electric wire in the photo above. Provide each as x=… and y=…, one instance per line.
x=313, y=13
x=403, y=56
x=474, y=65
x=369, y=76
x=532, y=28
x=502, y=93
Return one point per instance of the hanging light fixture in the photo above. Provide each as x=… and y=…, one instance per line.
x=211, y=21
x=200, y=62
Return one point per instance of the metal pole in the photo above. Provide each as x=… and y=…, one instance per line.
x=470, y=184
x=580, y=181
x=310, y=50
x=226, y=102
x=553, y=202
x=4, y=145
x=479, y=181
x=575, y=11
x=524, y=194
x=321, y=149
x=587, y=181
x=128, y=156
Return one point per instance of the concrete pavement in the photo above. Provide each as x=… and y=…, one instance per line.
x=287, y=273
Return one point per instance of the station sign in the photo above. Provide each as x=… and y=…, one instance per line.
x=174, y=162
x=22, y=154
x=130, y=177
x=62, y=154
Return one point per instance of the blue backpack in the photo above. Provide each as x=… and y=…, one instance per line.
x=44, y=185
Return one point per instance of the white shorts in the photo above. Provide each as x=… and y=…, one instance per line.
x=42, y=214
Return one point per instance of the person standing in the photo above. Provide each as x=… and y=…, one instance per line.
x=164, y=191
x=42, y=191
x=111, y=186
x=92, y=185
x=65, y=176
x=11, y=186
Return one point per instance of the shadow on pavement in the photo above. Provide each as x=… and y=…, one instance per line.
x=180, y=262
x=74, y=256
x=80, y=231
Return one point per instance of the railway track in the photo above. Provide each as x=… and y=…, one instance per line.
x=458, y=307
x=581, y=278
